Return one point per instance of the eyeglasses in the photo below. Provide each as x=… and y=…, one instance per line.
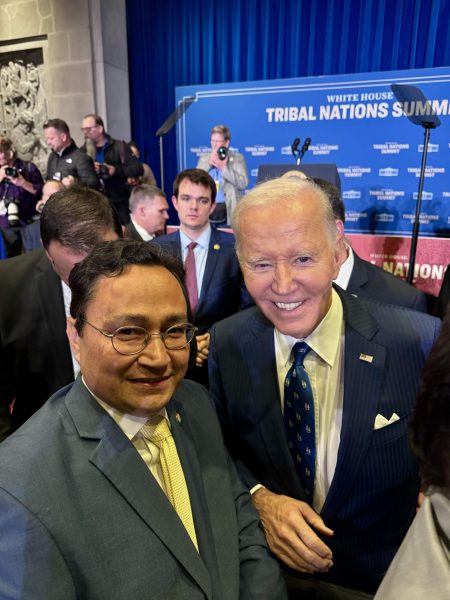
x=132, y=340
x=88, y=129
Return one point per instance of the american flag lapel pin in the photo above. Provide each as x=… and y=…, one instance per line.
x=366, y=357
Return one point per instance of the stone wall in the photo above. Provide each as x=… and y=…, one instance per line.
x=85, y=65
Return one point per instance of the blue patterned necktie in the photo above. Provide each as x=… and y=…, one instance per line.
x=299, y=419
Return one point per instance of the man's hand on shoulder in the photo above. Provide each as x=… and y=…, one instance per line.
x=289, y=525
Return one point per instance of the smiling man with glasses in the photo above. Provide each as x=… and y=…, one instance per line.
x=125, y=485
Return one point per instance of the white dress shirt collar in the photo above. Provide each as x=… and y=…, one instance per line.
x=345, y=272
x=145, y=235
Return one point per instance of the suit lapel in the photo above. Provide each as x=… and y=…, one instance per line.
x=118, y=460
x=195, y=478
x=363, y=377
x=211, y=265
x=359, y=276
x=266, y=404
x=51, y=299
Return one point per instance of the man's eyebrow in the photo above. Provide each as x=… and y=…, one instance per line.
x=141, y=319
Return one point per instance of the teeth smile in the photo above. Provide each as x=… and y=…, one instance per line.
x=288, y=306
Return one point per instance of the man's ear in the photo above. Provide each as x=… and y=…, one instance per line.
x=74, y=338
x=213, y=206
x=175, y=202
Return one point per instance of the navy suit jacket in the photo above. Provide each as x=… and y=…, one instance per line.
x=35, y=359
x=81, y=515
x=223, y=290
x=369, y=281
x=372, y=498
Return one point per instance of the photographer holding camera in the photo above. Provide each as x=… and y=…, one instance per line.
x=229, y=171
x=113, y=162
x=20, y=188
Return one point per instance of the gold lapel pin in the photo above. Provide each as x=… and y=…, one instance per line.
x=178, y=417
x=366, y=357
x=216, y=246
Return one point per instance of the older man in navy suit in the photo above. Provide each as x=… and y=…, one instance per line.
x=213, y=276
x=314, y=390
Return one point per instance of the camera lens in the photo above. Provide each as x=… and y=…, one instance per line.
x=222, y=152
x=11, y=172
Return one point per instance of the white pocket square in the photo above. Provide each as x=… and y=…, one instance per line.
x=381, y=421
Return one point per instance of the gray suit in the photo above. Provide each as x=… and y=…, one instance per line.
x=81, y=515
x=235, y=178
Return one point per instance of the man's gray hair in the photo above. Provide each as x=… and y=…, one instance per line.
x=270, y=193
x=144, y=194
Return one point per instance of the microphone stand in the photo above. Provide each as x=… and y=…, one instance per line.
x=427, y=125
x=409, y=94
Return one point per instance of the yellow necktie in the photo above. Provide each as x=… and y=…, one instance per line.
x=159, y=433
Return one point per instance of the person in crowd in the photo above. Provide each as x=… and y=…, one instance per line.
x=35, y=357
x=314, y=389
x=31, y=234
x=213, y=277
x=124, y=488
x=421, y=568
x=362, y=278
x=113, y=162
x=147, y=176
x=149, y=212
x=20, y=188
x=50, y=187
x=229, y=171
x=66, y=162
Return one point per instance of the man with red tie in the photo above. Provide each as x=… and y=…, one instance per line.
x=213, y=276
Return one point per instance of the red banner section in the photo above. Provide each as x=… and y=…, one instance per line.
x=392, y=254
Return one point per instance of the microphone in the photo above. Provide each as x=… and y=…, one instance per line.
x=305, y=147
x=295, y=145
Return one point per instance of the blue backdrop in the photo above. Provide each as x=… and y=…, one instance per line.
x=175, y=43
x=354, y=121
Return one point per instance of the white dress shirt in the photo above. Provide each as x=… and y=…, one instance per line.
x=325, y=367
x=67, y=295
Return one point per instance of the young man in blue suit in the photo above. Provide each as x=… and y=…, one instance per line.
x=120, y=486
x=323, y=445
x=220, y=290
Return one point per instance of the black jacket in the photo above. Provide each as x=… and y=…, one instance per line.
x=73, y=162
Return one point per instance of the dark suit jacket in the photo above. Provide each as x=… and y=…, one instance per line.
x=131, y=232
x=223, y=291
x=369, y=281
x=35, y=358
x=372, y=497
x=81, y=515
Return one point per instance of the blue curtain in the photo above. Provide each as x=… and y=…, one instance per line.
x=188, y=42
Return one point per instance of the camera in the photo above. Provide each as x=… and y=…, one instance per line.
x=103, y=171
x=11, y=172
x=12, y=211
x=222, y=152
